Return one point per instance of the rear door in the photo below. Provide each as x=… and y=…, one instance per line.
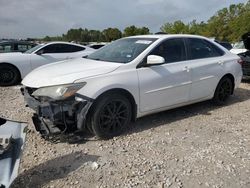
x=168, y=84
x=206, y=64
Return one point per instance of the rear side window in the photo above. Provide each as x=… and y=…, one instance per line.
x=173, y=50
x=200, y=48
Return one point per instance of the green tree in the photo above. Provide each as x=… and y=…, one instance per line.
x=111, y=34
x=195, y=28
x=74, y=35
x=133, y=30
x=178, y=27
x=47, y=38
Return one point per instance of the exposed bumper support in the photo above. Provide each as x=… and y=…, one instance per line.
x=57, y=117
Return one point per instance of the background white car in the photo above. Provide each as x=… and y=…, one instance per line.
x=238, y=48
x=128, y=79
x=14, y=66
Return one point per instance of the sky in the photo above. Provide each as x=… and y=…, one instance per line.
x=38, y=18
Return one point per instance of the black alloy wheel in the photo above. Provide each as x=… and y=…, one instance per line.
x=110, y=116
x=223, y=91
x=8, y=75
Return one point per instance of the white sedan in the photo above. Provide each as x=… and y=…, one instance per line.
x=15, y=66
x=128, y=79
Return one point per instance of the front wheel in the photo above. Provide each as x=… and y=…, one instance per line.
x=9, y=75
x=110, y=116
x=223, y=91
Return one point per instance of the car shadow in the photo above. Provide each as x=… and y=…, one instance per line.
x=246, y=80
x=54, y=169
x=170, y=116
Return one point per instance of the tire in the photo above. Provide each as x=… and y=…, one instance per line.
x=223, y=91
x=9, y=75
x=110, y=116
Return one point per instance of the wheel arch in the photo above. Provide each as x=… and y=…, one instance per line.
x=125, y=93
x=231, y=77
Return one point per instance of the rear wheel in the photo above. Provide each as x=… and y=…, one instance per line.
x=9, y=75
x=223, y=91
x=110, y=116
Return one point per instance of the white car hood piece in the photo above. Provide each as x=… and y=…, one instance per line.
x=12, y=139
x=237, y=51
x=66, y=72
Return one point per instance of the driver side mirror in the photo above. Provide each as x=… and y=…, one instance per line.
x=155, y=60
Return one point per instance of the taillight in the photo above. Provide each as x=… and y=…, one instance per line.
x=240, y=61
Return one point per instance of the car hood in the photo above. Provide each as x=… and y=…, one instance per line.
x=246, y=40
x=66, y=72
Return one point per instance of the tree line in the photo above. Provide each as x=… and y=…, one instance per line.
x=227, y=24
x=107, y=35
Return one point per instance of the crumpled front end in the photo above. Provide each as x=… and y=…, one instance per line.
x=54, y=117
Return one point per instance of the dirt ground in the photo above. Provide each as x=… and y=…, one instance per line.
x=200, y=145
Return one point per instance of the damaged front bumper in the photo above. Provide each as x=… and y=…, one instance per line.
x=56, y=117
x=12, y=139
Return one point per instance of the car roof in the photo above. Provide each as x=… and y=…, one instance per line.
x=62, y=42
x=165, y=36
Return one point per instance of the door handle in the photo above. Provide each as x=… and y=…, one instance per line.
x=221, y=62
x=186, y=68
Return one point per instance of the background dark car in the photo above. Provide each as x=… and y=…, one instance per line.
x=246, y=63
x=226, y=45
x=15, y=46
x=246, y=55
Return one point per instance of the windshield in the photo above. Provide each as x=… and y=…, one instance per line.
x=34, y=49
x=123, y=50
x=239, y=45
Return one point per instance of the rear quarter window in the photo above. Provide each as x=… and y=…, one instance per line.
x=201, y=48
x=76, y=48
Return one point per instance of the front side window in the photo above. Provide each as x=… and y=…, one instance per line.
x=200, y=48
x=172, y=50
x=50, y=49
x=123, y=50
x=61, y=48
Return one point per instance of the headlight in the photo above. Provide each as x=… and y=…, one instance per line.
x=59, y=92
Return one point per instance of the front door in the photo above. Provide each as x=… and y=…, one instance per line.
x=168, y=84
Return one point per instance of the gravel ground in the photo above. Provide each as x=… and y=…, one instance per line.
x=199, y=145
